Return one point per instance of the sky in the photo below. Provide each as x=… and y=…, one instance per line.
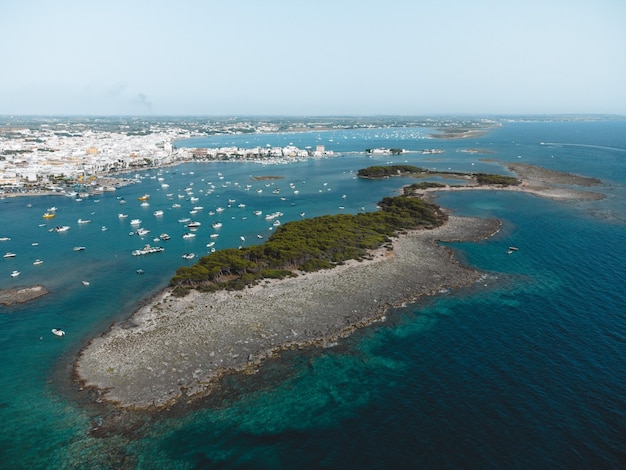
x=304, y=57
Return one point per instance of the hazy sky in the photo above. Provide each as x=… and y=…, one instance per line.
x=313, y=57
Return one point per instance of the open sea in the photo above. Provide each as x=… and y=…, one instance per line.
x=524, y=370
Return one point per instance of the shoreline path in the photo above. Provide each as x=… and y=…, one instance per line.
x=174, y=348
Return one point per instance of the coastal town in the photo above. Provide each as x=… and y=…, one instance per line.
x=55, y=159
x=77, y=154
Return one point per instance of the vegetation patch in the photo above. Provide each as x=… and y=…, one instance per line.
x=377, y=172
x=308, y=245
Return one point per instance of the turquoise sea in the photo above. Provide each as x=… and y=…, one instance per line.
x=525, y=369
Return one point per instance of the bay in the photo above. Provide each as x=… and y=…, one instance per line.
x=521, y=370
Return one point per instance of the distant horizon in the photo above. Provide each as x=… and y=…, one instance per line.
x=315, y=116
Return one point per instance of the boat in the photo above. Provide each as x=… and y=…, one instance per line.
x=194, y=224
x=189, y=256
x=147, y=249
x=145, y=197
x=85, y=283
x=164, y=236
x=175, y=205
x=189, y=235
x=62, y=228
x=9, y=255
x=79, y=248
x=58, y=332
x=4, y=239
x=158, y=213
x=144, y=204
x=142, y=231
x=140, y=271
x=135, y=222
x=258, y=212
x=37, y=262
x=15, y=273
x=49, y=215
x=184, y=221
x=122, y=216
x=242, y=238
x=216, y=225
x=83, y=221
x=104, y=228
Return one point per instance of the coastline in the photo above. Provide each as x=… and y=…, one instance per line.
x=535, y=180
x=178, y=348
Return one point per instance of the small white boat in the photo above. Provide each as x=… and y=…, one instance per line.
x=85, y=283
x=144, y=204
x=15, y=273
x=37, y=262
x=4, y=239
x=158, y=213
x=189, y=235
x=216, y=225
x=122, y=216
x=9, y=255
x=189, y=256
x=142, y=232
x=63, y=228
x=104, y=228
x=79, y=248
x=242, y=238
x=83, y=221
x=58, y=332
x=194, y=224
x=135, y=222
x=164, y=236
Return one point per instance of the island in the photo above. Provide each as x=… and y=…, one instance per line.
x=230, y=312
x=20, y=295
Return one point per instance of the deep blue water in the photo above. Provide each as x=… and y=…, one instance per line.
x=524, y=369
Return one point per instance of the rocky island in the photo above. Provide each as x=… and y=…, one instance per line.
x=177, y=347
x=20, y=295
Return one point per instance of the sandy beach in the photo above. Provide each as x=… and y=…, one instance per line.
x=178, y=347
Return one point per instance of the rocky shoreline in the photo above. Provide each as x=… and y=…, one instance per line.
x=178, y=348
